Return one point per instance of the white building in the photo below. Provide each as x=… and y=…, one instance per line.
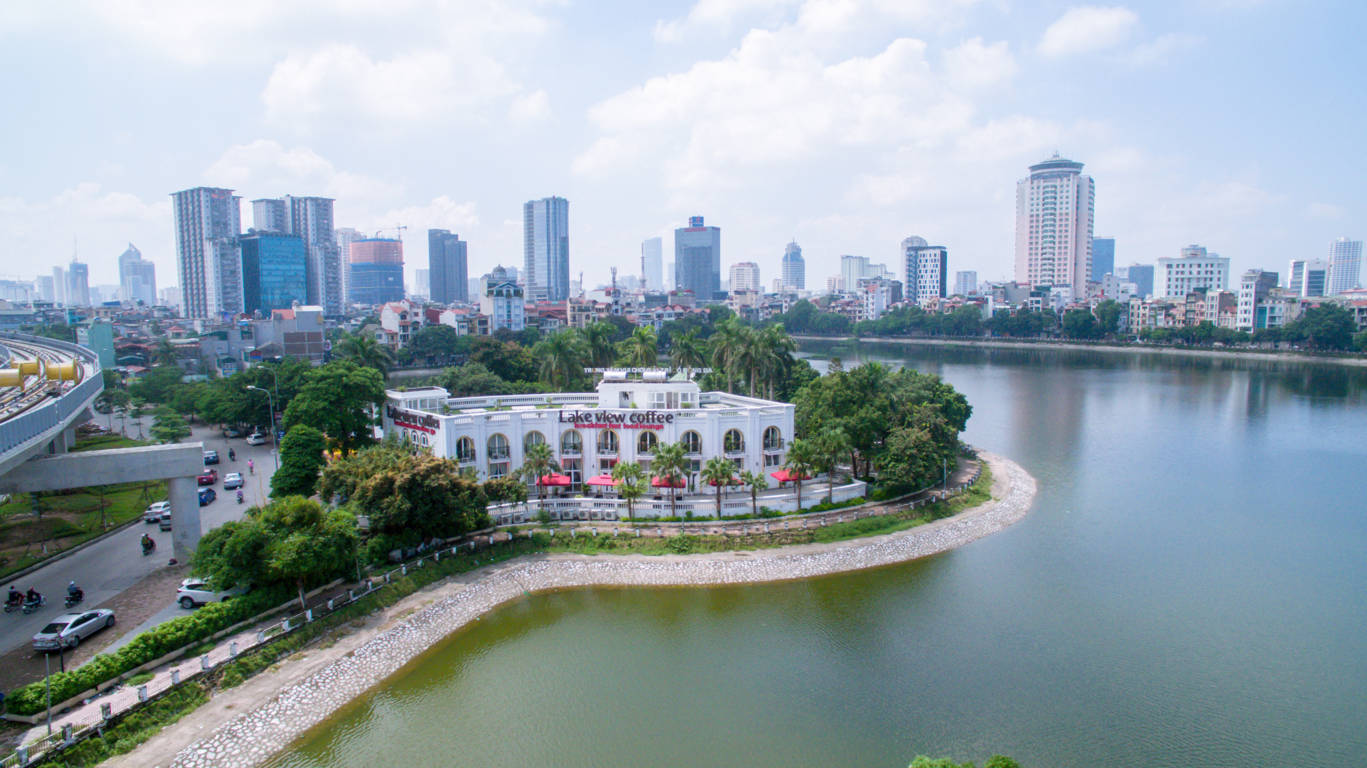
x=630, y=415
x=966, y=283
x=926, y=269
x=745, y=277
x=503, y=302
x=1195, y=268
x=1307, y=277
x=209, y=264
x=875, y=295
x=1254, y=287
x=652, y=267
x=1054, y=211
x=1345, y=265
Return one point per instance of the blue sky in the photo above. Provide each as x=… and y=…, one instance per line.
x=846, y=124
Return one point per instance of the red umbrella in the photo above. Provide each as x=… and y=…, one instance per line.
x=786, y=476
x=554, y=479
x=660, y=482
x=601, y=480
x=732, y=481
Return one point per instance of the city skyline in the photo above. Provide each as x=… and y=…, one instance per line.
x=1012, y=86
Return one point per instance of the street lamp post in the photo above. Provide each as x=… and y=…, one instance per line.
x=275, y=448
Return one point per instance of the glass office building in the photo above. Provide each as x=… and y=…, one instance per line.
x=274, y=272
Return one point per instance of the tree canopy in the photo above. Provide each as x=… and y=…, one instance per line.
x=301, y=458
x=339, y=400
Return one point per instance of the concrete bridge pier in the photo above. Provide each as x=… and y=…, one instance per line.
x=184, y=497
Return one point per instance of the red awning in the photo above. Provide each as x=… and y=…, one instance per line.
x=660, y=482
x=554, y=479
x=786, y=476
x=732, y=481
x=601, y=480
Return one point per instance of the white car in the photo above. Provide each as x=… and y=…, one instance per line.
x=156, y=512
x=69, y=629
x=256, y=438
x=195, y=591
x=232, y=480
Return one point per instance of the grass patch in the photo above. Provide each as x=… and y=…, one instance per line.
x=139, y=679
x=133, y=729
x=106, y=442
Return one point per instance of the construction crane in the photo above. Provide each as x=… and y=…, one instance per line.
x=398, y=229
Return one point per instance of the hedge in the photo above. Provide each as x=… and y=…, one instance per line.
x=152, y=644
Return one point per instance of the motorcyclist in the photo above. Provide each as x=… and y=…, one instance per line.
x=148, y=543
x=232, y=455
x=251, y=467
x=33, y=596
x=74, y=592
x=239, y=495
x=15, y=596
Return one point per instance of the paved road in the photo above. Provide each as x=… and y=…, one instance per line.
x=115, y=563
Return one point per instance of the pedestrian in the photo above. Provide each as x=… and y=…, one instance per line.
x=251, y=467
x=232, y=455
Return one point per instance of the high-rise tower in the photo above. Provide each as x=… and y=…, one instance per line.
x=208, y=221
x=652, y=264
x=310, y=218
x=1345, y=265
x=1054, y=211
x=448, y=267
x=137, y=277
x=794, y=268
x=546, y=249
x=697, y=259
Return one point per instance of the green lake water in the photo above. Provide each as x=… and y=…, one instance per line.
x=1187, y=591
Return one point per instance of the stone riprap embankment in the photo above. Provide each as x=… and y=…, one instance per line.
x=252, y=738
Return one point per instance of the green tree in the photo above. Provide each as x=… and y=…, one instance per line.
x=1360, y=341
x=434, y=343
x=164, y=353
x=727, y=347
x=562, y=356
x=169, y=426
x=756, y=482
x=1108, y=316
x=630, y=484
x=719, y=471
x=669, y=465
x=1324, y=327
x=830, y=444
x=598, y=343
x=537, y=462
x=301, y=458
x=364, y=351
x=641, y=349
x=338, y=399
x=800, y=461
x=1080, y=324
x=686, y=350
x=415, y=498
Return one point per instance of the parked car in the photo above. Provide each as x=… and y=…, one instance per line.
x=208, y=477
x=256, y=438
x=69, y=629
x=165, y=523
x=207, y=496
x=232, y=480
x=194, y=592
x=155, y=511
x=232, y=432
x=210, y=457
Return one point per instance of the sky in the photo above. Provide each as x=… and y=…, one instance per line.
x=846, y=125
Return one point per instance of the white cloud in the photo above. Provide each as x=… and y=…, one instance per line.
x=1162, y=49
x=973, y=64
x=1088, y=28
x=530, y=108
x=265, y=168
x=1318, y=210
x=713, y=15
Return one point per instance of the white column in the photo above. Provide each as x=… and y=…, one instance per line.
x=184, y=494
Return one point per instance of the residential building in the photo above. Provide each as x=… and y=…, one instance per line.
x=448, y=267
x=422, y=283
x=794, y=268
x=98, y=335
x=966, y=283
x=270, y=215
x=1055, y=206
x=927, y=270
x=173, y=297
x=59, y=285
x=546, y=248
x=852, y=270
x=1254, y=287
x=1345, y=266
x=208, y=221
x=1307, y=277
x=311, y=219
x=1141, y=275
x=274, y=271
x=399, y=320
x=44, y=286
x=77, y=284
x=1194, y=268
x=504, y=303
x=376, y=271
x=1103, y=257
x=652, y=267
x=697, y=260
x=345, y=236
x=876, y=294
x=745, y=277
x=137, y=277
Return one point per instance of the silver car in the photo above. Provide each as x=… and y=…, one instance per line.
x=195, y=591
x=69, y=629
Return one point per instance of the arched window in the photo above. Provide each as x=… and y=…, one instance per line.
x=465, y=450
x=692, y=442
x=532, y=438
x=733, y=441
x=773, y=439
x=607, y=441
x=571, y=444
x=645, y=444
x=498, y=448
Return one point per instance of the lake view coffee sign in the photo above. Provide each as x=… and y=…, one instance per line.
x=423, y=422
x=617, y=419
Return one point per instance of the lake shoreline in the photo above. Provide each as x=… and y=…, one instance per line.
x=233, y=729
x=1292, y=358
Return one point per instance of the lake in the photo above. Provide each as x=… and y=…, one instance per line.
x=1187, y=591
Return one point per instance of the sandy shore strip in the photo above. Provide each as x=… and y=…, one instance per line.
x=232, y=731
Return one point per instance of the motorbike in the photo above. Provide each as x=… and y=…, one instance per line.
x=32, y=605
x=74, y=598
x=148, y=547
x=239, y=497
x=13, y=605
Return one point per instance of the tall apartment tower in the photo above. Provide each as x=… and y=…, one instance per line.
x=1345, y=265
x=966, y=282
x=1054, y=211
x=652, y=264
x=77, y=284
x=208, y=221
x=794, y=268
x=310, y=218
x=448, y=267
x=745, y=276
x=927, y=270
x=137, y=277
x=1103, y=257
x=546, y=249
x=270, y=215
x=345, y=236
x=697, y=259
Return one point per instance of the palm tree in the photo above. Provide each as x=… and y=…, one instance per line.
x=366, y=352
x=630, y=484
x=828, y=445
x=719, y=471
x=726, y=346
x=778, y=348
x=560, y=354
x=757, y=482
x=641, y=349
x=801, y=459
x=687, y=351
x=669, y=464
x=165, y=353
x=537, y=461
x=598, y=339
